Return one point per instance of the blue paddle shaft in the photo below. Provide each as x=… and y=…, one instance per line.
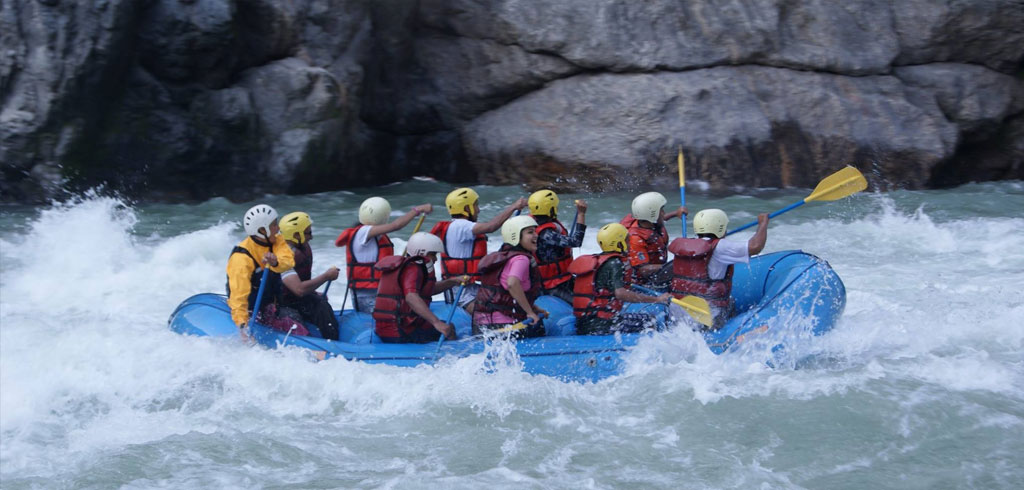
x=451, y=314
x=682, y=201
x=783, y=210
x=259, y=296
x=572, y=229
x=327, y=287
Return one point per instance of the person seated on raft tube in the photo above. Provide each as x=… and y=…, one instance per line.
x=602, y=287
x=299, y=286
x=402, y=312
x=367, y=243
x=703, y=266
x=263, y=248
x=510, y=282
x=648, y=239
x=465, y=240
x=554, y=245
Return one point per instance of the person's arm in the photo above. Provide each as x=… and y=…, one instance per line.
x=677, y=213
x=281, y=258
x=399, y=223
x=240, y=269
x=497, y=221
x=756, y=243
x=552, y=239
x=625, y=294
x=515, y=288
x=299, y=287
x=421, y=308
x=442, y=286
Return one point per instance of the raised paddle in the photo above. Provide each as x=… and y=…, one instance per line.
x=694, y=306
x=414, y=230
x=682, y=188
x=451, y=313
x=845, y=182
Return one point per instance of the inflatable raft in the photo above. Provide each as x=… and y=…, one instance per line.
x=780, y=298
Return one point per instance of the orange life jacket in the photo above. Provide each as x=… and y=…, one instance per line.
x=362, y=275
x=690, y=271
x=555, y=272
x=587, y=299
x=492, y=297
x=654, y=240
x=455, y=266
x=392, y=315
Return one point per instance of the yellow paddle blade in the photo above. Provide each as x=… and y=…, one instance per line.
x=839, y=185
x=682, y=165
x=696, y=307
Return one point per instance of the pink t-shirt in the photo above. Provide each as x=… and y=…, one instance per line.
x=518, y=266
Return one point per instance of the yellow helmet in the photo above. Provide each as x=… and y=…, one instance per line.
x=544, y=203
x=295, y=223
x=711, y=221
x=459, y=199
x=612, y=237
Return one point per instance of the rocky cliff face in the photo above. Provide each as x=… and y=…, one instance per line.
x=187, y=99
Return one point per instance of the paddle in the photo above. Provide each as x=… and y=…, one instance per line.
x=259, y=295
x=451, y=313
x=414, y=230
x=572, y=229
x=843, y=183
x=514, y=327
x=682, y=188
x=694, y=306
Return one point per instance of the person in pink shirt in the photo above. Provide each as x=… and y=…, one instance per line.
x=510, y=282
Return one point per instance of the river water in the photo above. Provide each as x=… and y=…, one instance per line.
x=921, y=384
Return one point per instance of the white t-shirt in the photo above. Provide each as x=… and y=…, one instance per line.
x=459, y=239
x=726, y=254
x=363, y=247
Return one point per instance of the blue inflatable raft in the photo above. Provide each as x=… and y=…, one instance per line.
x=781, y=298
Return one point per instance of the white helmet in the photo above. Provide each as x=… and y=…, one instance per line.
x=259, y=217
x=374, y=211
x=511, y=230
x=711, y=221
x=422, y=243
x=647, y=206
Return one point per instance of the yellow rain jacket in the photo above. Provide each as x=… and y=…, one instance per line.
x=245, y=271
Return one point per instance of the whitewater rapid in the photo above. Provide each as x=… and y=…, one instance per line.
x=920, y=385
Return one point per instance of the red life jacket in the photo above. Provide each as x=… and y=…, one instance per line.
x=492, y=297
x=455, y=266
x=587, y=299
x=392, y=315
x=303, y=267
x=555, y=272
x=362, y=275
x=655, y=240
x=690, y=271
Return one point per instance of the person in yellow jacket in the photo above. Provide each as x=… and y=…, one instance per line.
x=263, y=248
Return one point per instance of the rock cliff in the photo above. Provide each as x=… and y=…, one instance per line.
x=188, y=99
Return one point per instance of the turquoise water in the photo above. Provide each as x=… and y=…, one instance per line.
x=921, y=385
